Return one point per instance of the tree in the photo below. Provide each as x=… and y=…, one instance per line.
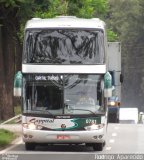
x=12, y=14
x=122, y=17
x=9, y=45
x=85, y=8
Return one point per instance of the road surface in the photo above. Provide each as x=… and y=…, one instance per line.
x=121, y=139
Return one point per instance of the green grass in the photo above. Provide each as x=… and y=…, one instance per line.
x=6, y=137
x=1, y=121
x=17, y=110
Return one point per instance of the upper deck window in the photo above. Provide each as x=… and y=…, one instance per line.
x=64, y=46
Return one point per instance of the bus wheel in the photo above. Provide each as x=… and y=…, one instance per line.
x=30, y=146
x=98, y=146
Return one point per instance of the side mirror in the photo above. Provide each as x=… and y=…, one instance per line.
x=18, y=84
x=107, y=85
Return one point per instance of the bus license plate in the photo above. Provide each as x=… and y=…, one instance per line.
x=62, y=137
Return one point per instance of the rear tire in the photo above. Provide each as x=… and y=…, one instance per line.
x=30, y=146
x=98, y=146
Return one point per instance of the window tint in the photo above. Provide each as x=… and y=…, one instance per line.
x=64, y=47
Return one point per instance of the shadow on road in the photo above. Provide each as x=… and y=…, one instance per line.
x=64, y=148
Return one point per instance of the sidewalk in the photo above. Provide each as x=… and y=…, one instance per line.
x=12, y=127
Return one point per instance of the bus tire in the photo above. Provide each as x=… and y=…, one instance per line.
x=30, y=146
x=98, y=146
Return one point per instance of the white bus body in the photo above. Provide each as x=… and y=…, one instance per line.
x=63, y=68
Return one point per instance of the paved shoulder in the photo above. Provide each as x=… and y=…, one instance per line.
x=12, y=127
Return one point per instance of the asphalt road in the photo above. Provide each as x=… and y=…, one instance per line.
x=121, y=139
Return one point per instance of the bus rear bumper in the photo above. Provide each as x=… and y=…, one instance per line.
x=41, y=136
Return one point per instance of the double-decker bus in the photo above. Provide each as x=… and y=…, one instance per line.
x=65, y=83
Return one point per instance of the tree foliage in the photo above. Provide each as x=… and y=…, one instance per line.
x=123, y=18
x=85, y=8
x=126, y=18
x=11, y=3
x=112, y=36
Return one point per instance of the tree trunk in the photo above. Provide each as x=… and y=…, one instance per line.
x=1, y=73
x=7, y=53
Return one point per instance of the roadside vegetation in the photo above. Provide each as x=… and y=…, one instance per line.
x=6, y=137
x=17, y=110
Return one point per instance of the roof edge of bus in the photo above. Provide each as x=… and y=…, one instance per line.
x=65, y=22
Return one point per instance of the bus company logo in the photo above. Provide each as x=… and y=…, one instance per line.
x=63, y=126
x=41, y=121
